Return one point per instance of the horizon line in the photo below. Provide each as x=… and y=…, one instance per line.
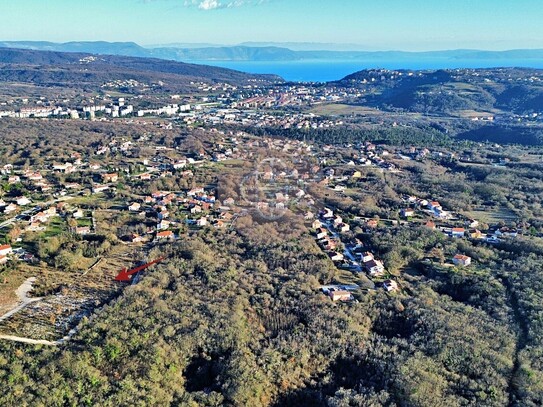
x=278, y=45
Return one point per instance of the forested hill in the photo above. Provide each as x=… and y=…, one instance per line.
x=54, y=68
x=510, y=90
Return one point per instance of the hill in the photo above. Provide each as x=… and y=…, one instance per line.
x=92, y=47
x=53, y=68
x=503, y=90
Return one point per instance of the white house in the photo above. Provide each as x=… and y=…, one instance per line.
x=201, y=222
x=375, y=267
x=335, y=256
x=5, y=250
x=434, y=206
x=343, y=227
x=10, y=208
x=321, y=233
x=23, y=200
x=461, y=260
x=458, y=232
x=390, y=285
x=78, y=214
x=328, y=213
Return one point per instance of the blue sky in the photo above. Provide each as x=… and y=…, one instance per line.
x=374, y=25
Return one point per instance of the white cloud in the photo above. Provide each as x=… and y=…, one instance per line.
x=216, y=4
x=209, y=5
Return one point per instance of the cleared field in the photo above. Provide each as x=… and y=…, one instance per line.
x=470, y=114
x=9, y=282
x=338, y=109
x=66, y=296
x=491, y=217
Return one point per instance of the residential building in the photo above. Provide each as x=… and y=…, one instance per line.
x=134, y=207
x=366, y=257
x=335, y=256
x=5, y=250
x=458, y=232
x=10, y=208
x=23, y=200
x=83, y=230
x=374, y=267
x=390, y=285
x=340, y=295
x=165, y=235
x=113, y=177
x=461, y=260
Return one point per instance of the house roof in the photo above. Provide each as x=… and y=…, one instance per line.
x=462, y=257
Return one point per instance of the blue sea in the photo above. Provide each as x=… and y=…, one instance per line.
x=323, y=71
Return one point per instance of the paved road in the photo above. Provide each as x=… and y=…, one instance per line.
x=347, y=252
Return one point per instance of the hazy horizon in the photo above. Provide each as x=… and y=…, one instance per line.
x=394, y=25
x=294, y=46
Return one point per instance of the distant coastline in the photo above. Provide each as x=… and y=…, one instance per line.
x=298, y=65
x=332, y=70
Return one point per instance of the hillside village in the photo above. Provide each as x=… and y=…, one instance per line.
x=115, y=180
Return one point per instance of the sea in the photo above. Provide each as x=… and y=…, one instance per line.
x=331, y=70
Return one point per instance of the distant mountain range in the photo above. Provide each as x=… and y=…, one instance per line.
x=264, y=52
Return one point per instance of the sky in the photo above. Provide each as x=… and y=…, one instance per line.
x=410, y=25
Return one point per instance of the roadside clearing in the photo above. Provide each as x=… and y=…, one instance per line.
x=24, y=299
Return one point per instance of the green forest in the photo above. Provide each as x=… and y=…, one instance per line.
x=250, y=328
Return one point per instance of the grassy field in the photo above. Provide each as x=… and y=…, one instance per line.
x=84, y=222
x=338, y=109
x=491, y=217
x=55, y=227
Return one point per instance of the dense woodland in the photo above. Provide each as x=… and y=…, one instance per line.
x=251, y=328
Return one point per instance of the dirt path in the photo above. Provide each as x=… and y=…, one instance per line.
x=28, y=340
x=22, y=295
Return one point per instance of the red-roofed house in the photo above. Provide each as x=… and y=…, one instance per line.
x=5, y=250
x=461, y=260
x=458, y=232
x=165, y=235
